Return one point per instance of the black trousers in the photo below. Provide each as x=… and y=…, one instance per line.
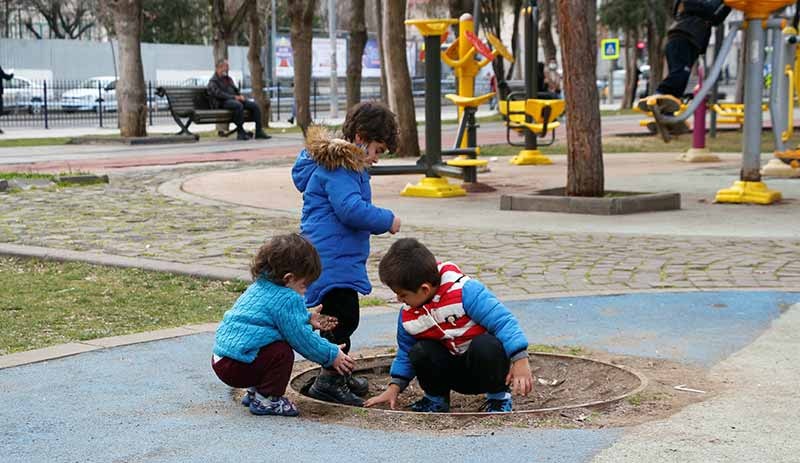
x=341, y=303
x=681, y=55
x=482, y=368
x=238, y=108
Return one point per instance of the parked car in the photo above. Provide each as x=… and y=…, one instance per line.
x=22, y=94
x=85, y=97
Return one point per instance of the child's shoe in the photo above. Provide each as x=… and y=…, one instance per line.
x=358, y=385
x=334, y=388
x=431, y=404
x=498, y=405
x=248, y=396
x=279, y=406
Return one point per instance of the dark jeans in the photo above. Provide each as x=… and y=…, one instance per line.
x=341, y=303
x=269, y=373
x=681, y=55
x=238, y=108
x=482, y=368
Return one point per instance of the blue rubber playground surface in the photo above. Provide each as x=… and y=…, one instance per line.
x=160, y=401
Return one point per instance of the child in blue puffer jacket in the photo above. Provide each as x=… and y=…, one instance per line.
x=255, y=343
x=452, y=334
x=338, y=218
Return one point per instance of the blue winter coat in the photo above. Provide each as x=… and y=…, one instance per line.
x=338, y=215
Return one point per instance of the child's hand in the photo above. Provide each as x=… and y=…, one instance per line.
x=395, y=225
x=389, y=395
x=322, y=322
x=520, y=378
x=343, y=364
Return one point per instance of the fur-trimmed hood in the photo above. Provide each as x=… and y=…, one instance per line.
x=333, y=153
x=328, y=152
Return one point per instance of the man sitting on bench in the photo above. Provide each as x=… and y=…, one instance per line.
x=223, y=94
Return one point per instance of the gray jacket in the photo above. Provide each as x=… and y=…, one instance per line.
x=220, y=89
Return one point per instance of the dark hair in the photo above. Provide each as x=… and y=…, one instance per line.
x=372, y=121
x=407, y=265
x=286, y=254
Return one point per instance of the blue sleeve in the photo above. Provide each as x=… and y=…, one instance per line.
x=486, y=310
x=401, y=366
x=292, y=322
x=344, y=193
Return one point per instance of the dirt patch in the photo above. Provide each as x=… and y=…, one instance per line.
x=658, y=400
x=560, y=381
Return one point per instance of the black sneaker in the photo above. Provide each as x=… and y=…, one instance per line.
x=334, y=388
x=358, y=385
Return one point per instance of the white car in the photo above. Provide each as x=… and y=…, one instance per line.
x=22, y=94
x=85, y=97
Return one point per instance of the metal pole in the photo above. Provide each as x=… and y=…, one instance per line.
x=531, y=60
x=46, y=122
x=754, y=83
x=334, y=92
x=433, y=102
x=779, y=104
x=273, y=39
x=718, y=38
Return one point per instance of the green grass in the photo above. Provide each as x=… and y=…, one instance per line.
x=23, y=142
x=25, y=175
x=726, y=142
x=46, y=303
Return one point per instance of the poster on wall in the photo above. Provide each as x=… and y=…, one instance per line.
x=320, y=57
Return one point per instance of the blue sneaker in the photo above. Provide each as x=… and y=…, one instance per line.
x=431, y=404
x=497, y=406
x=249, y=396
x=280, y=406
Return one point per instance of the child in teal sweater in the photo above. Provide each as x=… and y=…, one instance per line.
x=255, y=343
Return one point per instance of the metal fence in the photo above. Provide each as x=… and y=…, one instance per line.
x=93, y=102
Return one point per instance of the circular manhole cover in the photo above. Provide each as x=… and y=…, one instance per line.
x=560, y=382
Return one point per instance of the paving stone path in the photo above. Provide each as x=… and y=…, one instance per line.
x=129, y=217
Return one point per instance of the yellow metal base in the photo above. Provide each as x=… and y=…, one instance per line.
x=698, y=155
x=748, y=192
x=530, y=158
x=432, y=187
x=778, y=168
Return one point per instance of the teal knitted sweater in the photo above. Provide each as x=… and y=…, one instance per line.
x=266, y=313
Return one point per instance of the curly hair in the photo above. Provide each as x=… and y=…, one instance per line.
x=407, y=265
x=372, y=121
x=284, y=254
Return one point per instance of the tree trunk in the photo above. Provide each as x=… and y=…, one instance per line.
x=584, y=144
x=301, y=14
x=131, y=95
x=514, y=39
x=355, y=54
x=399, y=80
x=258, y=10
x=546, y=31
x=631, y=69
x=384, y=83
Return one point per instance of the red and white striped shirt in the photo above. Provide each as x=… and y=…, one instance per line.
x=443, y=318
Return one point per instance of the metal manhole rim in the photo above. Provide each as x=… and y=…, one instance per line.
x=643, y=382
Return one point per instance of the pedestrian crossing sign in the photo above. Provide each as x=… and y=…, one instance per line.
x=609, y=49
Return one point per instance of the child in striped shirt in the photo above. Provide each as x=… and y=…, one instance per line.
x=452, y=334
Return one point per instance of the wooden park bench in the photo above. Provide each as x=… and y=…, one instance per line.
x=192, y=105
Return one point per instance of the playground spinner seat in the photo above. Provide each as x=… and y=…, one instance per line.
x=545, y=114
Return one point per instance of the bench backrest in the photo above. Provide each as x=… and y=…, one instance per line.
x=183, y=101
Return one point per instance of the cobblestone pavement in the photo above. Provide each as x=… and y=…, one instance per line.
x=129, y=217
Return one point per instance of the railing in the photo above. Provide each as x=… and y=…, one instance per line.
x=93, y=103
